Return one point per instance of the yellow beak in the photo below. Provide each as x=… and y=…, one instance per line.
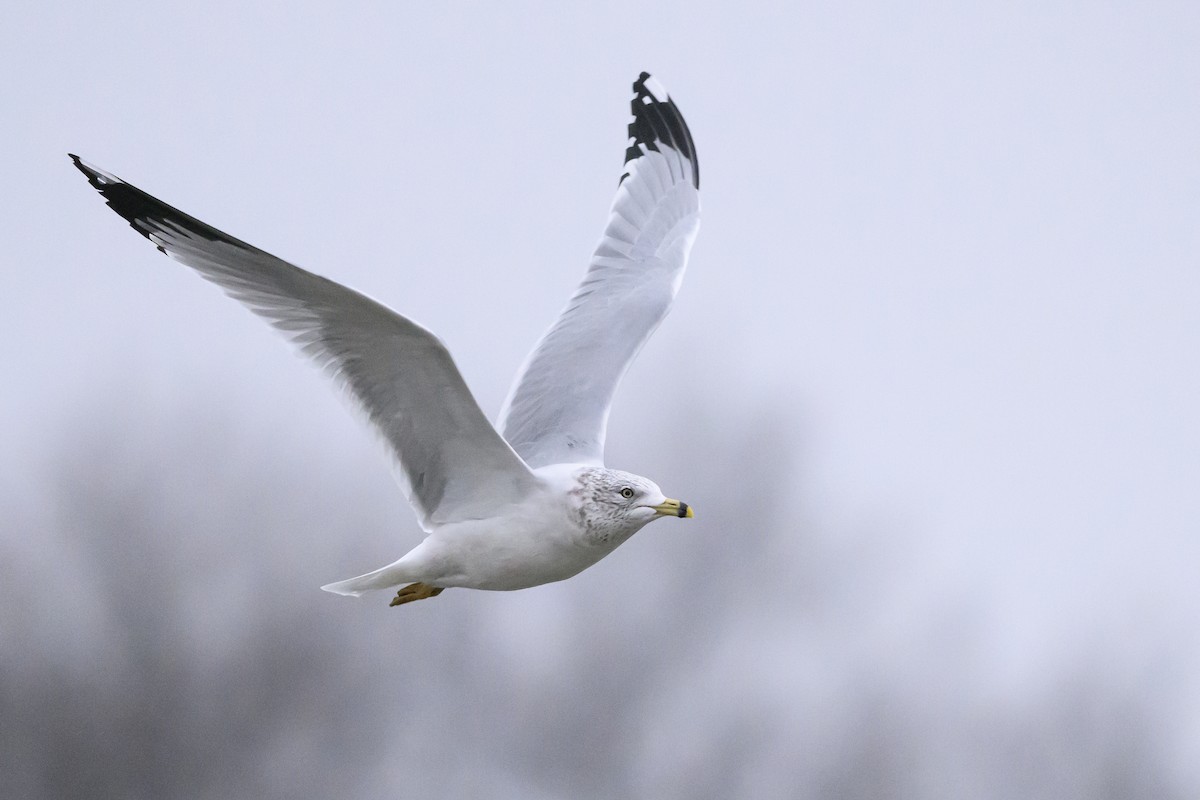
x=673, y=508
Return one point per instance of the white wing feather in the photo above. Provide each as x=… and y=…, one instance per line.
x=557, y=410
x=454, y=465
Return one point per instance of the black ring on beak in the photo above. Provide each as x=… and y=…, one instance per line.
x=683, y=509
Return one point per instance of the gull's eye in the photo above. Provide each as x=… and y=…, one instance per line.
x=627, y=493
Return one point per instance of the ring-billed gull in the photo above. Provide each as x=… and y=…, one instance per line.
x=530, y=502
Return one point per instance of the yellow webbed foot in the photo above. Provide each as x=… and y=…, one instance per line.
x=414, y=592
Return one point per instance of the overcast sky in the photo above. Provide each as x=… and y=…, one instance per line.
x=941, y=318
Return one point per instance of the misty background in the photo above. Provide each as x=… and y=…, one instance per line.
x=931, y=384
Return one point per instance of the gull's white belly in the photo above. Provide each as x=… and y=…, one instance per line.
x=505, y=554
x=533, y=542
x=542, y=539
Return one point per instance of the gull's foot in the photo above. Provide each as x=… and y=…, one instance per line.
x=414, y=592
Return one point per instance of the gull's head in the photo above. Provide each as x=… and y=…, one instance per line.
x=615, y=503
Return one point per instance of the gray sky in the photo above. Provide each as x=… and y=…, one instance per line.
x=943, y=305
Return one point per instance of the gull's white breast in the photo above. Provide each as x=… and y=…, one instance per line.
x=538, y=540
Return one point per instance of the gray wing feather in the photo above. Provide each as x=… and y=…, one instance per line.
x=453, y=463
x=557, y=410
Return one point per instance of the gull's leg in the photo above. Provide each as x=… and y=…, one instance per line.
x=414, y=592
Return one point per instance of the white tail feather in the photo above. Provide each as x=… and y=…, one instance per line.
x=393, y=574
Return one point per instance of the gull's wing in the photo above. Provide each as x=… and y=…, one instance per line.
x=453, y=463
x=557, y=410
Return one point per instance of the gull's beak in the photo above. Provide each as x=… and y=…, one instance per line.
x=673, y=508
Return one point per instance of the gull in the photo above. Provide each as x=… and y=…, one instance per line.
x=526, y=502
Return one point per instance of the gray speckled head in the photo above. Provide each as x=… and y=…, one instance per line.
x=611, y=505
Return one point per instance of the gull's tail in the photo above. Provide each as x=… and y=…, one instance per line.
x=393, y=574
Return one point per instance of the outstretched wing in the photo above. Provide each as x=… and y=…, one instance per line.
x=557, y=410
x=454, y=465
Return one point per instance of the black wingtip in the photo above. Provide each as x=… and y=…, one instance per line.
x=130, y=202
x=79, y=165
x=656, y=119
x=98, y=178
x=146, y=213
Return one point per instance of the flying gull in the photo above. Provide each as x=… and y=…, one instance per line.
x=526, y=502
